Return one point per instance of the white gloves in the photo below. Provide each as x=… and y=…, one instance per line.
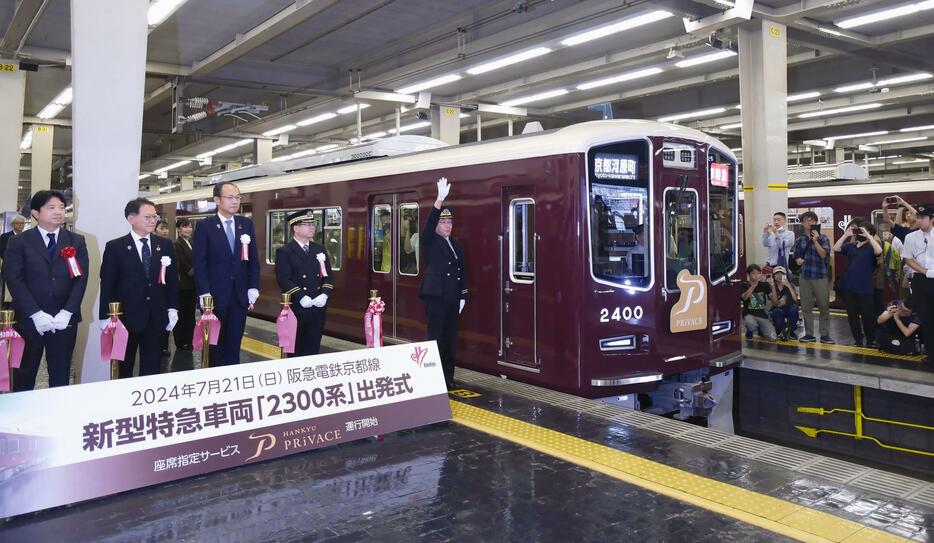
x=305, y=302
x=61, y=320
x=929, y=274
x=173, y=319
x=201, y=299
x=252, y=295
x=443, y=188
x=320, y=300
x=461, y=310
x=43, y=322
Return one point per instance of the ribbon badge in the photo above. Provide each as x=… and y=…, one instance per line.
x=74, y=269
x=166, y=261
x=11, y=355
x=373, y=322
x=286, y=329
x=113, y=341
x=245, y=247
x=209, y=319
x=323, y=269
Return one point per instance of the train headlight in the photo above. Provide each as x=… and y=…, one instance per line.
x=620, y=343
x=721, y=327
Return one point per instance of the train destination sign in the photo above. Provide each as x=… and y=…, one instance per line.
x=68, y=444
x=720, y=175
x=616, y=166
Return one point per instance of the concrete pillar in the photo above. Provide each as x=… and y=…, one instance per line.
x=41, y=161
x=262, y=151
x=446, y=124
x=763, y=93
x=108, y=46
x=12, y=96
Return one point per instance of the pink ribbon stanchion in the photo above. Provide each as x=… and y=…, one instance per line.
x=373, y=320
x=207, y=331
x=286, y=326
x=11, y=350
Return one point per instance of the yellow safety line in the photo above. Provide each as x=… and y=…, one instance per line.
x=772, y=514
x=260, y=348
x=869, y=351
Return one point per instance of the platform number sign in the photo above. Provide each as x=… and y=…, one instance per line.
x=720, y=175
x=8, y=67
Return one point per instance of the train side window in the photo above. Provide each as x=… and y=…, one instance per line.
x=382, y=238
x=277, y=233
x=722, y=224
x=522, y=240
x=331, y=235
x=408, y=239
x=681, y=241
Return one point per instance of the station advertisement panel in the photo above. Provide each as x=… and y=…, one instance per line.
x=65, y=445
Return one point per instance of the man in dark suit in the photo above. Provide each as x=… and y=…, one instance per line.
x=221, y=271
x=444, y=285
x=130, y=274
x=298, y=271
x=47, y=290
x=186, y=286
x=19, y=224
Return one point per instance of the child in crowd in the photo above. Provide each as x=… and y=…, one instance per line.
x=756, y=293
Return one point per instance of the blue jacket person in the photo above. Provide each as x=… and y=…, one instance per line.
x=130, y=273
x=298, y=272
x=444, y=285
x=46, y=298
x=221, y=273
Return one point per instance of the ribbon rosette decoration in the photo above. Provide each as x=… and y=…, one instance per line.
x=245, y=247
x=286, y=328
x=166, y=262
x=113, y=340
x=321, y=258
x=11, y=351
x=69, y=253
x=373, y=322
x=208, y=319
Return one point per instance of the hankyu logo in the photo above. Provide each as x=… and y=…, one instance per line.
x=846, y=220
x=418, y=356
x=690, y=312
x=265, y=443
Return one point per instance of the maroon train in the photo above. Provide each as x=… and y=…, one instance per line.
x=574, y=239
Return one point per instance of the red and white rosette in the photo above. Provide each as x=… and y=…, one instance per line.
x=373, y=322
x=245, y=247
x=323, y=269
x=166, y=261
x=11, y=355
x=286, y=329
x=69, y=254
x=209, y=319
x=113, y=341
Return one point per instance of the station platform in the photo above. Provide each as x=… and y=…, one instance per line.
x=517, y=463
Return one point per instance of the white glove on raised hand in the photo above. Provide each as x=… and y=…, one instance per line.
x=61, y=320
x=103, y=324
x=201, y=299
x=461, y=310
x=320, y=300
x=306, y=302
x=42, y=321
x=929, y=274
x=443, y=188
x=173, y=319
x=252, y=295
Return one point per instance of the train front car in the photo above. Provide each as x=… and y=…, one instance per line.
x=661, y=313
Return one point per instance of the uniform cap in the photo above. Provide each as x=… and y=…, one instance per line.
x=303, y=216
x=446, y=213
x=926, y=210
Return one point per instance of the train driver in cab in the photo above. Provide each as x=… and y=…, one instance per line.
x=444, y=285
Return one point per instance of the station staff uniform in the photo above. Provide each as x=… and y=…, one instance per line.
x=443, y=286
x=298, y=273
x=919, y=246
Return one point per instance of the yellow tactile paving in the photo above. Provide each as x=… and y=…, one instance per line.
x=773, y=514
x=867, y=351
x=260, y=348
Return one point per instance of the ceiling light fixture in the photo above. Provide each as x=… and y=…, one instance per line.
x=692, y=115
x=704, y=59
x=628, y=76
x=885, y=82
x=802, y=96
x=613, y=28
x=171, y=166
x=506, y=61
x=882, y=15
x=160, y=10
x=410, y=127
x=731, y=126
x=835, y=111
x=316, y=119
x=144, y=176
x=854, y=136
x=917, y=128
x=826, y=30
x=901, y=140
x=26, y=142
x=351, y=109
x=57, y=104
x=280, y=130
x=915, y=161
x=535, y=97
x=431, y=83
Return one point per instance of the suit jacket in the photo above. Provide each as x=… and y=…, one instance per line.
x=39, y=283
x=186, y=273
x=299, y=274
x=445, y=276
x=144, y=302
x=217, y=270
x=4, y=240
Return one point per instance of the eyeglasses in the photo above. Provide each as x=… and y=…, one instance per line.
x=236, y=198
x=152, y=218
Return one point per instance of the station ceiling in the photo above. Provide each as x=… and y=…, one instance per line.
x=305, y=60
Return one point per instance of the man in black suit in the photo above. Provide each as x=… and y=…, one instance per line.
x=47, y=290
x=131, y=273
x=221, y=271
x=298, y=271
x=19, y=224
x=444, y=285
x=186, y=286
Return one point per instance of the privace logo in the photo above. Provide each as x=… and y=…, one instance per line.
x=418, y=355
x=690, y=312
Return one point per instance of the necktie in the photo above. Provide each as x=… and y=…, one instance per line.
x=306, y=247
x=51, y=246
x=147, y=255
x=451, y=246
x=230, y=237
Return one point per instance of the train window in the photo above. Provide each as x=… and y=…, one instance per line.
x=408, y=239
x=382, y=238
x=331, y=235
x=620, y=214
x=722, y=225
x=680, y=234
x=522, y=241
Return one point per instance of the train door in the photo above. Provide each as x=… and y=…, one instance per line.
x=394, y=229
x=519, y=293
x=381, y=270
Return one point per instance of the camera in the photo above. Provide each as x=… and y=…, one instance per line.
x=860, y=237
x=891, y=199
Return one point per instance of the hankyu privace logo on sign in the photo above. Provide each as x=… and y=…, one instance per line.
x=690, y=311
x=419, y=355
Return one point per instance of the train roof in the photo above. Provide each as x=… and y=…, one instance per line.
x=577, y=138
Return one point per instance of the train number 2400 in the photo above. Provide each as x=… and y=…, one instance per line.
x=621, y=314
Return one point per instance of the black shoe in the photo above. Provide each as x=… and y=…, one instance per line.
x=184, y=348
x=858, y=343
x=807, y=338
x=828, y=340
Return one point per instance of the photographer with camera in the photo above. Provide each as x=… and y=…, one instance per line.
x=811, y=253
x=756, y=293
x=863, y=252
x=906, y=218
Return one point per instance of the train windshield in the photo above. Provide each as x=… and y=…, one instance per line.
x=620, y=214
x=722, y=226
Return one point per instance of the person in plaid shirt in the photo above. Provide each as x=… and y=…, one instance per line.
x=811, y=254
